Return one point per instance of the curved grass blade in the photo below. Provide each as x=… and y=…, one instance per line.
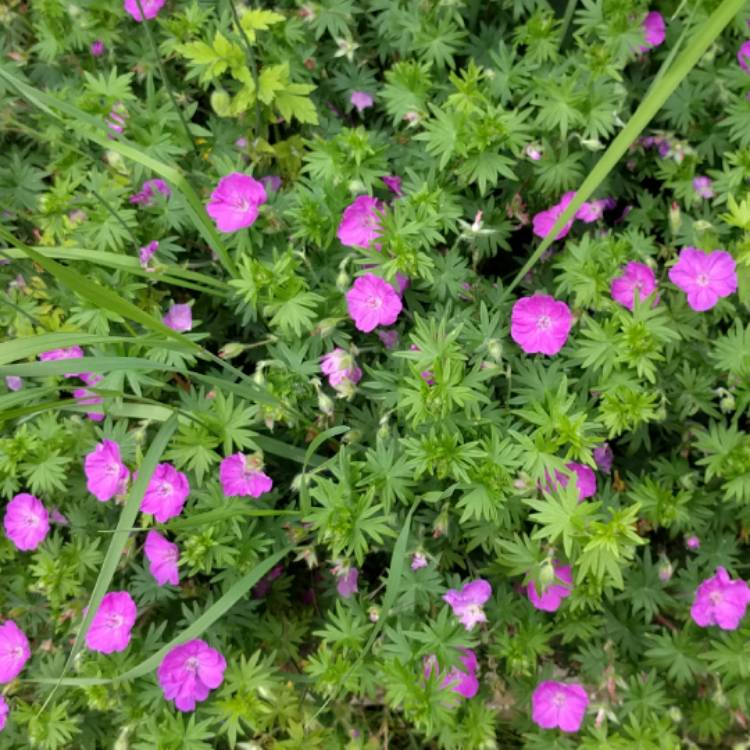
x=85, y=364
x=30, y=346
x=315, y=443
x=662, y=88
x=119, y=539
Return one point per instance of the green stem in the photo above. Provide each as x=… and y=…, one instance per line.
x=251, y=63
x=164, y=78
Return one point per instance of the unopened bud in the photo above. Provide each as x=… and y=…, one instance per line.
x=374, y=614
x=495, y=349
x=343, y=280
x=547, y=573
x=232, y=350
x=325, y=404
x=675, y=218
x=665, y=570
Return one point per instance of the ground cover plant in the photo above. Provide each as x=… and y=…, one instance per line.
x=376, y=374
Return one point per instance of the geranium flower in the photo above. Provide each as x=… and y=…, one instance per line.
x=346, y=581
x=97, y=48
x=14, y=651
x=110, y=630
x=393, y=183
x=704, y=276
x=703, y=186
x=467, y=603
x=26, y=521
x=540, y=324
x=85, y=397
x=241, y=476
x=4, y=710
x=585, y=480
x=654, y=31
x=464, y=683
x=151, y=9
x=163, y=557
x=149, y=191
x=14, y=382
x=236, y=201
x=550, y=599
x=372, y=302
x=418, y=561
x=360, y=223
x=743, y=56
x=106, y=474
x=636, y=278
x=167, y=491
x=593, y=210
x=341, y=369
x=361, y=100
x=71, y=352
x=543, y=222
x=604, y=457
x=179, y=318
x=693, y=542
x=557, y=704
x=188, y=673
x=146, y=252
x=720, y=601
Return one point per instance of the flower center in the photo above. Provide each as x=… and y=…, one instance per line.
x=715, y=597
x=165, y=489
x=191, y=664
x=17, y=652
x=242, y=204
x=559, y=700
x=544, y=322
x=701, y=279
x=31, y=521
x=374, y=302
x=112, y=469
x=114, y=621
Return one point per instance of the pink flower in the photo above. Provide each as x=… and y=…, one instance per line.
x=346, y=583
x=167, y=491
x=85, y=397
x=14, y=651
x=636, y=278
x=13, y=382
x=271, y=182
x=360, y=223
x=703, y=186
x=117, y=120
x=533, y=151
x=743, y=56
x=110, y=629
x=361, y=100
x=372, y=302
x=236, y=201
x=56, y=517
x=393, y=183
x=464, y=683
x=557, y=704
x=593, y=211
x=585, y=480
x=26, y=521
x=340, y=368
x=106, y=474
x=693, y=542
x=179, y=318
x=72, y=352
x=551, y=598
x=149, y=190
x=151, y=9
x=704, y=277
x=188, y=673
x=604, y=457
x=653, y=30
x=720, y=601
x=241, y=476
x=418, y=561
x=389, y=338
x=540, y=324
x=4, y=710
x=162, y=556
x=467, y=603
x=544, y=221
x=97, y=48
x=145, y=253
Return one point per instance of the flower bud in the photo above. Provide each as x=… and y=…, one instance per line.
x=373, y=614
x=665, y=570
x=343, y=280
x=325, y=404
x=495, y=349
x=727, y=401
x=232, y=350
x=547, y=573
x=675, y=218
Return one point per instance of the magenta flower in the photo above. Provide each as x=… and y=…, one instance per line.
x=188, y=673
x=346, y=582
x=467, y=603
x=71, y=352
x=543, y=222
x=162, y=556
x=97, y=48
x=271, y=182
x=14, y=651
x=604, y=457
x=389, y=338
x=557, y=704
x=465, y=683
x=533, y=151
x=594, y=210
x=106, y=474
x=704, y=277
x=360, y=223
x=167, y=491
x=585, y=480
x=26, y=521
x=341, y=369
x=654, y=31
x=85, y=397
x=236, y=201
x=418, y=561
x=151, y=9
x=540, y=324
x=111, y=627
x=117, y=120
x=4, y=710
x=263, y=586
x=743, y=56
x=393, y=183
x=720, y=601
x=361, y=100
x=636, y=278
x=241, y=476
x=693, y=542
x=703, y=187
x=179, y=318
x=372, y=302
x=551, y=597
x=146, y=252
x=13, y=382
x=149, y=191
